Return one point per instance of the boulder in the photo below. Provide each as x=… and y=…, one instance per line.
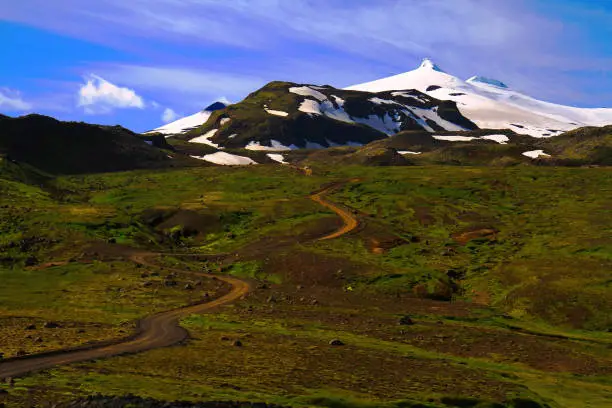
x=406, y=321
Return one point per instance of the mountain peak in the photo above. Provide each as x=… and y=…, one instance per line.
x=429, y=64
x=215, y=106
x=487, y=81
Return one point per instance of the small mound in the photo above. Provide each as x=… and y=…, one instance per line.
x=191, y=222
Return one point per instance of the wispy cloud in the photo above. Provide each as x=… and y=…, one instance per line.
x=509, y=39
x=190, y=88
x=11, y=101
x=99, y=96
x=169, y=115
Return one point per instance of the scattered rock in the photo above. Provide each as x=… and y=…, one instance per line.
x=170, y=283
x=38, y=340
x=52, y=325
x=188, y=286
x=144, y=275
x=31, y=261
x=271, y=299
x=198, y=283
x=147, y=284
x=336, y=342
x=225, y=338
x=31, y=327
x=314, y=302
x=299, y=287
x=237, y=343
x=262, y=286
x=81, y=331
x=406, y=321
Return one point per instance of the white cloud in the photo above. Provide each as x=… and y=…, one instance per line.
x=12, y=101
x=169, y=115
x=100, y=96
x=224, y=100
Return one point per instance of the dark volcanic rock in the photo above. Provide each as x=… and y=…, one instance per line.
x=406, y=321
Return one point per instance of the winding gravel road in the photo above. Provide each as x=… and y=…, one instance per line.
x=162, y=329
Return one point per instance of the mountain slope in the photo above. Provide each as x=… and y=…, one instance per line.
x=584, y=146
x=490, y=103
x=589, y=146
x=189, y=122
x=70, y=147
x=284, y=116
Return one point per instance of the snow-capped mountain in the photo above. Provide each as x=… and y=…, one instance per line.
x=285, y=116
x=490, y=103
x=189, y=122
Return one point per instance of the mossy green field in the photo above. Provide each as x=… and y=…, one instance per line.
x=505, y=273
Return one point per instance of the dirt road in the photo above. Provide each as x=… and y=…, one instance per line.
x=350, y=221
x=162, y=329
x=159, y=330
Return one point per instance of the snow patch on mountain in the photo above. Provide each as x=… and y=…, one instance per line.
x=276, y=146
x=501, y=139
x=455, y=138
x=188, y=123
x=226, y=159
x=205, y=139
x=534, y=154
x=387, y=124
x=276, y=112
x=326, y=108
x=308, y=91
x=277, y=158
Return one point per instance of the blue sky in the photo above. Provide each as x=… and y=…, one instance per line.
x=140, y=63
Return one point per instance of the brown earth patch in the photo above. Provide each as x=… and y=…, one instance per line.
x=192, y=222
x=423, y=214
x=467, y=236
x=313, y=269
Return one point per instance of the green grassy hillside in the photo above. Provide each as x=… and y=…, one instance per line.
x=69, y=147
